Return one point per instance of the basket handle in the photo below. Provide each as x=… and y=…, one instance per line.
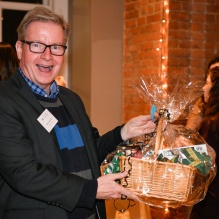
x=158, y=142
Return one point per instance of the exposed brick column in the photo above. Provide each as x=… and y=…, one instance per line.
x=142, y=32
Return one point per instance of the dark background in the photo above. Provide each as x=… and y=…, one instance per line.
x=10, y=21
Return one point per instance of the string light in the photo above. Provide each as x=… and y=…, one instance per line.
x=163, y=38
x=163, y=42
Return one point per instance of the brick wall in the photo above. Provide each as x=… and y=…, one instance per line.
x=190, y=39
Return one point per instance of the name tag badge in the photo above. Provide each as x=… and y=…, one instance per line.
x=47, y=120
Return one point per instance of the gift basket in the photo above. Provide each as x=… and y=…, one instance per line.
x=173, y=166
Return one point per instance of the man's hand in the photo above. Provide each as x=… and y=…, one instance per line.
x=138, y=126
x=108, y=188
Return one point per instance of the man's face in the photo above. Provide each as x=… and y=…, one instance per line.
x=41, y=68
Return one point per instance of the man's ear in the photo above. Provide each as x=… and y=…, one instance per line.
x=18, y=47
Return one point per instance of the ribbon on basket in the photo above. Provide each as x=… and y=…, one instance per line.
x=159, y=139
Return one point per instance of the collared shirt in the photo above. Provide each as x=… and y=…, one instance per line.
x=54, y=88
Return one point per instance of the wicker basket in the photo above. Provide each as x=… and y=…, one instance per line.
x=157, y=179
x=162, y=183
x=103, y=168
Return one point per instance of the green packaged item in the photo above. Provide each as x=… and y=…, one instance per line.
x=195, y=156
x=113, y=166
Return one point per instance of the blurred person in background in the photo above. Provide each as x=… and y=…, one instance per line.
x=208, y=128
x=61, y=81
x=8, y=60
x=195, y=117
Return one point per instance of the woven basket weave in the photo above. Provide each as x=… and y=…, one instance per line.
x=157, y=179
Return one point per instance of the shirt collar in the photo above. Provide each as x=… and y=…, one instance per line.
x=54, y=88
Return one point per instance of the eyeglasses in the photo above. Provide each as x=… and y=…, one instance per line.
x=35, y=47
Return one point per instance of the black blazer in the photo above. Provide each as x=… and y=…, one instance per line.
x=32, y=184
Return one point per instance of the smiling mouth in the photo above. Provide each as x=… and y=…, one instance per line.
x=45, y=68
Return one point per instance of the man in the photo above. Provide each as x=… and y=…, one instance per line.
x=49, y=151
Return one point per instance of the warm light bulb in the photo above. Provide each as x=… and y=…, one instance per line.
x=164, y=86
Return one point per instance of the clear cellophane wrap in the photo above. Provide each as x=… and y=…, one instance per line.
x=174, y=165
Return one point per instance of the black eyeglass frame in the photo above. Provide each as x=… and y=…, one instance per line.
x=30, y=42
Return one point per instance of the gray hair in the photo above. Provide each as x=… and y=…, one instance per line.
x=41, y=14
